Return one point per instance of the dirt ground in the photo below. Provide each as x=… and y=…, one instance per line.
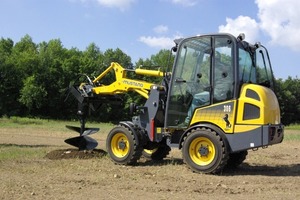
x=61, y=172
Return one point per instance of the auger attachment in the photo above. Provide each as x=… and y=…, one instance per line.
x=83, y=141
x=87, y=101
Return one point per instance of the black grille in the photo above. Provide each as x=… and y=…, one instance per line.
x=251, y=112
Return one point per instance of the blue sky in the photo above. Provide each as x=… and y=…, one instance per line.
x=141, y=28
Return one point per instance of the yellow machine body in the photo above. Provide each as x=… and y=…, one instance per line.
x=217, y=103
x=259, y=109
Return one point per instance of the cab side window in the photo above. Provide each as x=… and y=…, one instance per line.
x=223, y=70
x=246, y=68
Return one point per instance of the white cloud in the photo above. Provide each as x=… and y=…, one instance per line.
x=185, y=2
x=241, y=24
x=161, y=29
x=121, y=4
x=160, y=42
x=278, y=19
x=281, y=21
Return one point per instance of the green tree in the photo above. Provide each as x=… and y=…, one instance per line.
x=288, y=95
x=118, y=56
x=163, y=60
x=25, y=56
x=50, y=75
x=32, y=94
x=91, y=60
x=9, y=80
x=20, y=64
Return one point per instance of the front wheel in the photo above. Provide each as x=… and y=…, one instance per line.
x=204, y=151
x=122, y=146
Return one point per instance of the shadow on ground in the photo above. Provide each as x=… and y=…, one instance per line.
x=264, y=170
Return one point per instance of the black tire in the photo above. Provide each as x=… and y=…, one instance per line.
x=158, y=153
x=204, y=151
x=235, y=159
x=121, y=145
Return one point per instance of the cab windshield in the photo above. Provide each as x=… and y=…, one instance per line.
x=203, y=74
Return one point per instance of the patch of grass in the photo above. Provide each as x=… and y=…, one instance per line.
x=293, y=127
x=17, y=121
x=292, y=132
x=292, y=137
x=21, y=122
x=17, y=152
x=54, y=125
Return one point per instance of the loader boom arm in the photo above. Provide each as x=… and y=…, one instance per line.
x=122, y=84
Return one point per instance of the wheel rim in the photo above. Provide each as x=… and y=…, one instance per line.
x=202, y=151
x=120, y=145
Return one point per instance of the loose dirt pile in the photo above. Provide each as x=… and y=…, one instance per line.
x=74, y=153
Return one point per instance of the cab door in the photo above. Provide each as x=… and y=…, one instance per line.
x=190, y=78
x=202, y=87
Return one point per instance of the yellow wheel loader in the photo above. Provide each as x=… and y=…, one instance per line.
x=215, y=104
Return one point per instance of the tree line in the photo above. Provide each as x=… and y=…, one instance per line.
x=35, y=77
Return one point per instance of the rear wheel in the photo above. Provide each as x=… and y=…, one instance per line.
x=122, y=146
x=235, y=159
x=158, y=153
x=204, y=151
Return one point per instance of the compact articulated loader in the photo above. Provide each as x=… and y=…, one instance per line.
x=216, y=103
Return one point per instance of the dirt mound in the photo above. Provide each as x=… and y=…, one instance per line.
x=75, y=153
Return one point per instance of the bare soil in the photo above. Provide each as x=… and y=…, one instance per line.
x=62, y=172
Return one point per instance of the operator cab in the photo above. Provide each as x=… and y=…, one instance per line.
x=211, y=69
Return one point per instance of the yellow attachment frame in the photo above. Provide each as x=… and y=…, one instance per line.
x=122, y=84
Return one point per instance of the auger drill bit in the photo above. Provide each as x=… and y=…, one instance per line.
x=83, y=141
